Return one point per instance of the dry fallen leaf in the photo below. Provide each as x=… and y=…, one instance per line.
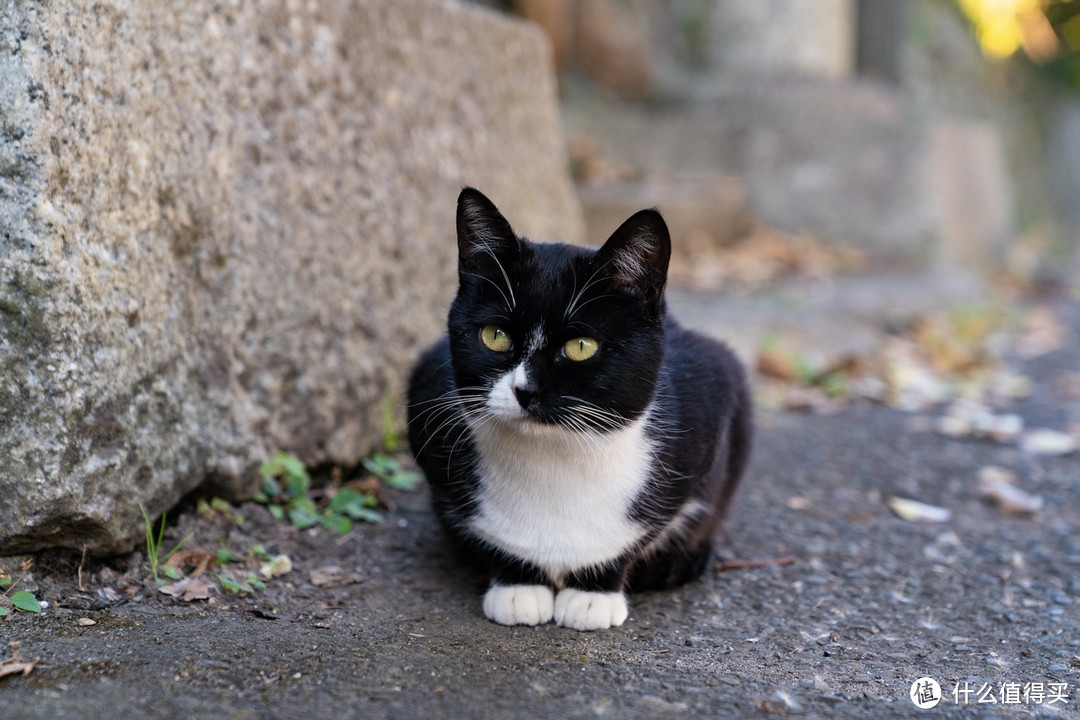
x=915, y=511
x=333, y=576
x=187, y=589
x=775, y=363
x=912, y=384
x=797, y=502
x=759, y=257
x=200, y=560
x=15, y=665
x=278, y=566
x=1042, y=441
x=999, y=486
x=967, y=419
x=109, y=595
x=1041, y=332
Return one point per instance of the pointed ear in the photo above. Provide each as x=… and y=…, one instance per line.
x=482, y=230
x=636, y=256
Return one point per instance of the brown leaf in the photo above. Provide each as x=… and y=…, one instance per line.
x=775, y=363
x=998, y=486
x=188, y=589
x=333, y=576
x=15, y=665
x=1042, y=332
x=200, y=560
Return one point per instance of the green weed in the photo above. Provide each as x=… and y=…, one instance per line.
x=388, y=469
x=392, y=435
x=284, y=489
x=153, y=549
x=245, y=587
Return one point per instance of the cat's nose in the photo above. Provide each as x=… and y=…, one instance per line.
x=524, y=395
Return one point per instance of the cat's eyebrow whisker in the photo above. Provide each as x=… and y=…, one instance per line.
x=572, y=307
x=508, y=300
x=593, y=299
x=509, y=287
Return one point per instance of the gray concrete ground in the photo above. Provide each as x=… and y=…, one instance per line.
x=861, y=604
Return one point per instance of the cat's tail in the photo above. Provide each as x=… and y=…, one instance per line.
x=741, y=432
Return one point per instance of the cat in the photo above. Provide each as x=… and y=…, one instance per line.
x=579, y=443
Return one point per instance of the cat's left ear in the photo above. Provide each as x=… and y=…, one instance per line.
x=482, y=230
x=636, y=256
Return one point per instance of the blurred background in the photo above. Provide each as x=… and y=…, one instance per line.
x=827, y=137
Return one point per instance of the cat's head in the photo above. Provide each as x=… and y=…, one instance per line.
x=556, y=335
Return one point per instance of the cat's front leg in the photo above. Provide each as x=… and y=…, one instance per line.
x=519, y=594
x=519, y=604
x=586, y=610
x=593, y=601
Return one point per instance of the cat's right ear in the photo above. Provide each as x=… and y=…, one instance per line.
x=482, y=231
x=636, y=256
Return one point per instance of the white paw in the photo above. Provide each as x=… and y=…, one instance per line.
x=583, y=610
x=519, y=604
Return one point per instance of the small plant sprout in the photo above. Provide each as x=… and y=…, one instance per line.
x=22, y=600
x=246, y=587
x=392, y=435
x=285, y=487
x=388, y=469
x=153, y=549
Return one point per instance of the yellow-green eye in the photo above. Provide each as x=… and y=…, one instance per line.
x=495, y=338
x=580, y=349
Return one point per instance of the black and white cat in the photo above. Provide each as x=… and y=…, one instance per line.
x=578, y=442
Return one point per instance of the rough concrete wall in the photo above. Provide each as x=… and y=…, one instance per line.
x=227, y=228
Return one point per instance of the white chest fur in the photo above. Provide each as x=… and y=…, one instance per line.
x=557, y=499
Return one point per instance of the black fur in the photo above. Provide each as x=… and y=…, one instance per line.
x=700, y=419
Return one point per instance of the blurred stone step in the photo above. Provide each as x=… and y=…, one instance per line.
x=703, y=212
x=840, y=160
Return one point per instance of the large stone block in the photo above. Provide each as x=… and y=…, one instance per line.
x=226, y=228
